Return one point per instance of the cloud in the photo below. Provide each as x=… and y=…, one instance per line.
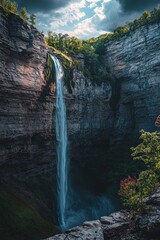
x=137, y=5
x=62, y=18
x=85, y=18
x=43, y=5
x=87, y=28
x=73, y=12
x=107, y=16
x=93, y=3
x=118, y=12
x=114, y=16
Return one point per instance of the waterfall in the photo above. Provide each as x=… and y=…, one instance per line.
x=61, y=137
x=74, y=205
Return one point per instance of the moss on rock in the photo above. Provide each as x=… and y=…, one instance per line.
x=19, y=220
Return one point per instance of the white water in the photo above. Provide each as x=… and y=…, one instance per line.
x=80, y=206
x=61, y=137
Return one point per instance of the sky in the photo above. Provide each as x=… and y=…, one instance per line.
x=85, y=18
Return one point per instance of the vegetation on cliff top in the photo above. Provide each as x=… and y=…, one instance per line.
x=80, y=51
x=147, y=18
x=12, y=7
x=93, y=50
x=74, y=45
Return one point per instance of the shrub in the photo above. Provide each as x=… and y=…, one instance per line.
x=134, y=190
x=149, y=150
x=24, y=14
x=32, y=20
x=12, y=7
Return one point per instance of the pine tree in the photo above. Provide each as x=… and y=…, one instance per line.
x=24, y=15
x=3, y=3
x=12, y=7
x=32, y=20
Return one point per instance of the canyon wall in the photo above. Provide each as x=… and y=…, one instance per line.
x=134, y=63
x=97, y=115
x=27, y=142
x=104, y=120
x=129, y=100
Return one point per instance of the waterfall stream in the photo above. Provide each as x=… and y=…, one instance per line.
x=61, y=137
x=75, y=205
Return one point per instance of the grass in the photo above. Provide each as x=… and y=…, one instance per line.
x=18, y=221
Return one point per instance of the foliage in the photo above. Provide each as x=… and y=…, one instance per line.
x=67, y=63
x=20, y=220
x=146, y=19
x=149, y=150
x=32, y=20
x=64, y=42
x=94, y=49
x=9, y=6
x=24, y=14
x=71, y=46
x=12, y=7
x=134, y=190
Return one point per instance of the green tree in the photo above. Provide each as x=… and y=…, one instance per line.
x=32, y=20
x=24, y=14
x=134, y=190
x=12, y=7
x=149, y=150
x=3, y=3
x=145, y=16
x=120, y=31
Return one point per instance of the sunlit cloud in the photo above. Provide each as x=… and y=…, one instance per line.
x=85, y=18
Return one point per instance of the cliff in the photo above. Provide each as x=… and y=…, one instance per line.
x=26, y=109
x=97, y=116
x=134, y=63
x=104, y=121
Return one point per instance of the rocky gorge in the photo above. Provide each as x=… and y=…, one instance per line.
x=100, y=118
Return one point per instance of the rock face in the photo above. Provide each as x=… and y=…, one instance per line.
x=134, y=62
x=119, y=226
x=116, y=111
x=26, y=112
x=89, y=104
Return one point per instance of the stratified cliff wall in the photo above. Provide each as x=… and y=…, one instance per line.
x=88, y=111
x=134, y=63
x=26, y=113
x=111, y=114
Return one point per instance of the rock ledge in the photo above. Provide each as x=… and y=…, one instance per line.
x=119, y=226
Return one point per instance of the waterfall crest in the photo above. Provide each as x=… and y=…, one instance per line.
x=61, y=137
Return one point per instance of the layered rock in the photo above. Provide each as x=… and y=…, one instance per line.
x=114, y=112
x=27, y=108
x=88, y=112
x=27, y=142
x=134, y=63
